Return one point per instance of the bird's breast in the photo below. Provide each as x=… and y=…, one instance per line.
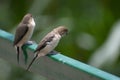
x=50, y=45
x=32, y=22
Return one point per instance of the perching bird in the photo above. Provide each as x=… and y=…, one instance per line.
x=48, y=43
x=23, y=33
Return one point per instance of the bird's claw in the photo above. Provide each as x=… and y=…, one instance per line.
x=53, y=52
x=30, y=42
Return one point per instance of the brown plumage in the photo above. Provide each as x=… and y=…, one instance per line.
x=23, y=32
x=48, y=43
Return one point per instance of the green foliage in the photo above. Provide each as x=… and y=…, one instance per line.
x=86, y=20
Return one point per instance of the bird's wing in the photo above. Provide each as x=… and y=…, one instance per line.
x=44, y=42
x=20, y=32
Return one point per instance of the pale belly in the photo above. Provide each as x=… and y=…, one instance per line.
x=49, y=47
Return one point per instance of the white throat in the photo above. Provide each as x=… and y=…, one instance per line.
x=32, y=22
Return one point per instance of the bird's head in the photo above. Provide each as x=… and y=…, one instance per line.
x=28, y=19
x=62, y=30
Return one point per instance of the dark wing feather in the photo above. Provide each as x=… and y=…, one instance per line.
x=20, y=32
x=43, y=43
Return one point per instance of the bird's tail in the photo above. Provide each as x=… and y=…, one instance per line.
x=35, y=57
x=18, y=53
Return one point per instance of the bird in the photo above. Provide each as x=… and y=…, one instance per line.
x=23, y=33
x=48, y=43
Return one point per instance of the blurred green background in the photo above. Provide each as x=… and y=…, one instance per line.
x=94, y=33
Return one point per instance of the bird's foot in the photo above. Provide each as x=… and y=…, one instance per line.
x=30, y=42
x=53, y=52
